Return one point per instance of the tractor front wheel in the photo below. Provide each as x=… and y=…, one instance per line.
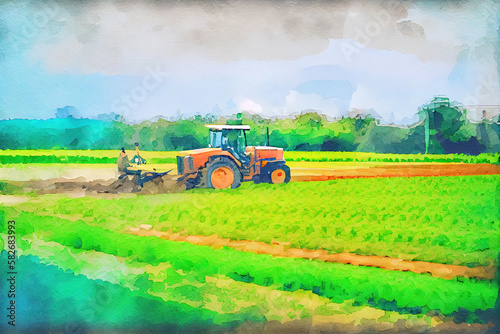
x=280, y=175
x=223, y=173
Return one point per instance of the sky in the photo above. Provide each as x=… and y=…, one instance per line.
x=141, y=59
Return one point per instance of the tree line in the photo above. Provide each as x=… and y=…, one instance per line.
x=448, y=131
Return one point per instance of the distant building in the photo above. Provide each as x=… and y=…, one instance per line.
x=482, y=112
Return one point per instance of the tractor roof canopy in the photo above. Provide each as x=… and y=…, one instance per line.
x=221, y=127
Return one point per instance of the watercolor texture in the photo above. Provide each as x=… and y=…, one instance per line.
x=249, y=166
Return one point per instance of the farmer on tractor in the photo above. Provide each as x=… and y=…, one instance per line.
x=123, y=164
x=234, y=142
x=125, y=168
x=137, y=159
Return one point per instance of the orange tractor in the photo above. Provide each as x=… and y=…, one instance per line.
x=228, y=161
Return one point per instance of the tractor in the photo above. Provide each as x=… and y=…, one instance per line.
x=228, y=161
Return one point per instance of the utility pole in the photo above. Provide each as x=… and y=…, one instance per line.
x=426, y=127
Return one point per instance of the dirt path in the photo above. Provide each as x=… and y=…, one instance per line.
x=159, y=185
x=283, y=250
x=402, y=170
x=98, y=180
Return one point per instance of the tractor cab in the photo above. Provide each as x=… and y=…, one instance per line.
x=228, y=161
x=231, y=138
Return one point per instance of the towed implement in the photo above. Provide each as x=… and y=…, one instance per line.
x=228, y=161
x=140, y=176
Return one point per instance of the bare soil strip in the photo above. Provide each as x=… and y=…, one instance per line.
x=278, y=249
x=159, y=185
x=403, y=170
x=101, y=183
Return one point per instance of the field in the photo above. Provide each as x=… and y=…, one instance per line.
x=154, y=157
x=342, y=255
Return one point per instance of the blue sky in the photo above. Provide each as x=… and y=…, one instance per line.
x=143, y=59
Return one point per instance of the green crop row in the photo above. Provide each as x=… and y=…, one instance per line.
x=452, y=220
x=52, y=159
x=70, y=159
x=107, y=156
x=336, y=281
x=379, y=157
x=220, y=294
x=77, y=304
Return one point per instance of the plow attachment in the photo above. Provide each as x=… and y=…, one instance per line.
x=149, y=176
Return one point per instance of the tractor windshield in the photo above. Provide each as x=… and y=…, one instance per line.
x=234, y=139
x=231, y=139
x=224, y=139
x=215, y=139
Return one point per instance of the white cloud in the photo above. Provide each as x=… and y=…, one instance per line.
x=125, y=37
x=249, y=105
x=262, y=51
x=296, y=102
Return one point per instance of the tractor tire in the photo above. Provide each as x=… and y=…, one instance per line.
x=222, y=173
x=256, y=179
x=279, y=174
x=200, y=181
x=191, y=183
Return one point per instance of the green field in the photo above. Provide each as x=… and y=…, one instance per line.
x=160, y=157
x=451, y=220
x=379, y=157
x=78, y=248
x=438, y=219
x=78, y=156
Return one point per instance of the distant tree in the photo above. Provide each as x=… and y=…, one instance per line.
x=68, y=112
x=447, y=128
x=110, y=117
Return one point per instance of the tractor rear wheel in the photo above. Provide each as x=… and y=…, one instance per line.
x=199, y=181
x=280, y=175
x=223, y=173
